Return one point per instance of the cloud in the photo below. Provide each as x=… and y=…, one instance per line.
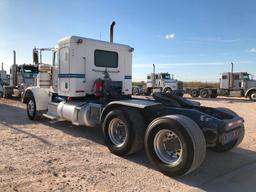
x=203, y=40
x=252, y=50
x=169, y=36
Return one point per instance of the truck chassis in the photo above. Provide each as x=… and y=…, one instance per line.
x=175, y=132
x=214, y=93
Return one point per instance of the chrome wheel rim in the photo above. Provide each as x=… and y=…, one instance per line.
x=168, y=91
x=31, y=108
x=253, y=96
x=204, y=93
x=168, y=147
x=193, y=93
x=117, y=132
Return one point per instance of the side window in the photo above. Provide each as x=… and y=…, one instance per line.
x=149, y=77
x=55, y=61
x=224, y=77
x=236, y=77
x=104, y=58
x=64, y=60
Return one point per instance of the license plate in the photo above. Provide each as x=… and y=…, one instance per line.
x=230, y=136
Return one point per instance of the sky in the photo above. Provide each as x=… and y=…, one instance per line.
x=195, y=40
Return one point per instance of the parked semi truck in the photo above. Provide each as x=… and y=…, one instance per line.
x=164, y=82
x=4, y=80
x=94, y=87
x=160, y=82
x=239, y=84
x=23, y=75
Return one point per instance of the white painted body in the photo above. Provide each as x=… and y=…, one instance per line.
x=41, y=96
x=77, y=71
x=3, y=80
x=161, y=82
x=43, y=78
x=236, y=81
x=73, y=74
x=3, y=76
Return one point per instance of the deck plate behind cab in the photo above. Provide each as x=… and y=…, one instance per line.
x=138, y=103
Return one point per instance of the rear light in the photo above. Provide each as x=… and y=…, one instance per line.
x=235, y=123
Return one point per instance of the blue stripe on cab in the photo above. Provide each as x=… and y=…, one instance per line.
x=71, y=75
x=127, y=77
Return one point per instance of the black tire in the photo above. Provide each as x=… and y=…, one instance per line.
x=194, y=93
x=1, y=94
x=168, y=90
x=220, y=148
x=149, y=91
x=134, y=127
x=6, y=95
x=135, y=91
x=33, y=114
x=191, y=138
x=252, y=96
x=204, y=93
x=214, y=95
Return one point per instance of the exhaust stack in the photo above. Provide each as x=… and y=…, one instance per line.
x=2, y=66
x=112, y=31
x=14, y=70
x=14, y=57
x=232, y=76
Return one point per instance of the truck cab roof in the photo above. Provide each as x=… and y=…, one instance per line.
x=78, y=39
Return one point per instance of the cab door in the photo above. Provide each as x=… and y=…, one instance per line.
x=64, y=69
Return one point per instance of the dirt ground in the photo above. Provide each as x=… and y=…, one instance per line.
x=57, y=156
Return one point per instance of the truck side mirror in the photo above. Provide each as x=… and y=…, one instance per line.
x=35, y=57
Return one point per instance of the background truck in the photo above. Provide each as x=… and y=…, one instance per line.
x=238, y=84
x=23, y=75
x=4, y=80
x=93, y=89
x=164, y=82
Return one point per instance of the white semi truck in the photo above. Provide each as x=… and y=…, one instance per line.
x=23, y=75
x=4, y=80
x=164, y=82
x=238, y=84
x=90, y=84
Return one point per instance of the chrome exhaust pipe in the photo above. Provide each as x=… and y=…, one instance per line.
x=112, y=31
x=14, y=57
